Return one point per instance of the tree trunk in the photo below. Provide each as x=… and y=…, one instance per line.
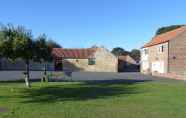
x=45, y=73
x=27, y=74
x=0, y=63
x=44, y=78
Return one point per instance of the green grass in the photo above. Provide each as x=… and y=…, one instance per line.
x=157, y=99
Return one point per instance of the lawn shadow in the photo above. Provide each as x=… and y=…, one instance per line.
x=3, y=110
x=79, y=92
x=116, y=81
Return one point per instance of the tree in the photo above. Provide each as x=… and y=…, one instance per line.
x=135, y=54
x=52, y=44
x=1, y=35
x=43, y=51
x=167, y=29
x=16, y=42
x=118, y=51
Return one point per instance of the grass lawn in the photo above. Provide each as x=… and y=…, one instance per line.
x=152, y=99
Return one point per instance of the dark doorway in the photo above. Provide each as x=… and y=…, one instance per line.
x=127, y=67
x=58, y=65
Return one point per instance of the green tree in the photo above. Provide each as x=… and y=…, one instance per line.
x=16, y=42
x=118, y=51
x=167, y=29
x=52, y=44
x=43, y=50
x=135, y=54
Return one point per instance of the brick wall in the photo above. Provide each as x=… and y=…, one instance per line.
x=177, y=55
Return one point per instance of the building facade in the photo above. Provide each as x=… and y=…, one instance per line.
x=165, y=55
x=89, y=60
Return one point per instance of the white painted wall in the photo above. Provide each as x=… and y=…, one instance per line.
x=144, y=57
x=145, y=65
x=158, y=66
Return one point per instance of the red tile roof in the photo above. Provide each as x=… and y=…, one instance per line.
x=83, y=53
x=165, y=37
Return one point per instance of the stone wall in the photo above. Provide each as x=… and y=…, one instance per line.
x=75, y=65
x=105, y=62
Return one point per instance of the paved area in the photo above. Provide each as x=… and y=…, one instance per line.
x=110, y=76
x=17, y=75
x=79, y=76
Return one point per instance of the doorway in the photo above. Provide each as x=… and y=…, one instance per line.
x=58, y=65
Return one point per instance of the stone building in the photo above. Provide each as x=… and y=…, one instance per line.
x=165, y=54
x=89, y=59
x=127, y=64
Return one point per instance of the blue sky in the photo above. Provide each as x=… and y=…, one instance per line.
x=83, y=23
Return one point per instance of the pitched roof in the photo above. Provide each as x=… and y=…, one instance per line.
x=165, y=37
x=83, y=53
x=127, y=58
x=122, y=57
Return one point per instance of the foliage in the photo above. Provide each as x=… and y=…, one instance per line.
x=42, y=50
x=16, y=42
x=135, y=54
x=118, y=51
x=52, y=44
x=167, y=29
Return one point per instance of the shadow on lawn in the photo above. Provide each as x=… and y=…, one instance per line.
x=79, y=92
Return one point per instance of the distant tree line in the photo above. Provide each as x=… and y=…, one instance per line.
x=135, y=53
x=18, y=42
x=167, y=29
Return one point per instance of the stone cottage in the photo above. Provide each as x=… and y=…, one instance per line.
x=90, y=59
x=165, y=54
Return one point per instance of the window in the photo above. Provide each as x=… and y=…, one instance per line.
x=146, y=51
x=161, y=48
x=91, y=61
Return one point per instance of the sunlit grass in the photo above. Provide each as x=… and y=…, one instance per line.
x=151, y=99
